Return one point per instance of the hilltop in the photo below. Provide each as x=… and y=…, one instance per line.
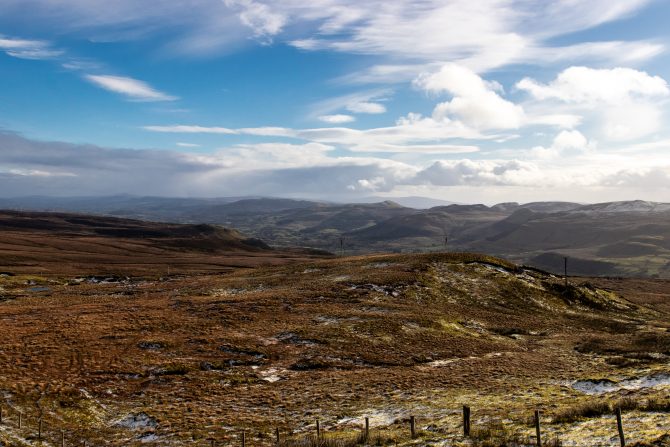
x=53, y=243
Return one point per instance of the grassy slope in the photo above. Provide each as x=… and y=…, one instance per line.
x=50, y=243
x=383, y=336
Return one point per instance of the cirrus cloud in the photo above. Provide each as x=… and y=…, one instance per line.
x=132, y=89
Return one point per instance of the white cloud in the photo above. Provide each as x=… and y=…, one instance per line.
x=28, y=49
x=336, y=119
x=190, y=129
x=480, y=34
x=315, y=170
x=366, y=101
x=566, y=142
x=131, y=88
x=474, y=101
x=481, y=173
x=191, y=145
x=403, y=137
x=592, y=86
x=366, y=107
x=624, y=103
x=262, y=19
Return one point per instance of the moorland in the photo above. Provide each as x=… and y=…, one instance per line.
x=238, y=338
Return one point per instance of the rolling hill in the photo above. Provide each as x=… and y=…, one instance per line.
x=617, y=238
x=48, y=242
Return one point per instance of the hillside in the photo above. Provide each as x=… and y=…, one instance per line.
x=47, y=242
x=617, y=238
x=200, y=357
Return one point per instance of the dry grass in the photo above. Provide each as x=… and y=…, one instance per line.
x=254, y=349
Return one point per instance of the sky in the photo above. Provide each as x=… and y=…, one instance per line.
x=481, y=101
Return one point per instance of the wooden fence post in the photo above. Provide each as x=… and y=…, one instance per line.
x=318, y=429
x=0, y=414
x=39, y=429
x=620, y=427
x=412, y=426
x=211, y=442
x=277, y=436
x=565, y=271
x=466, y=420
x=537, y=428
x=367, y=429
x=244, y=439
x=62, y=438
x=20, y=415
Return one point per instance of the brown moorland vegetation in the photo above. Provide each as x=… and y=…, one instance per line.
x=184, y=359
x=71, y=244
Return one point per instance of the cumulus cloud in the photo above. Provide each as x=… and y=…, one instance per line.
x=626, y=103
x=474, y=101
x=132, y=89
x=593, y=86
x=567, y=142
x=311, y=169
x=480, y=173
x=336, y=119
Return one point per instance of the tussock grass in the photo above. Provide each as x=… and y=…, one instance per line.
x=598, y=408
x=340, y=440
x=590, y=409
x=495, y=434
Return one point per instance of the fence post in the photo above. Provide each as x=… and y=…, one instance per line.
x=537, y=428
x=318, y=429
x=466, y=420
x=244, y=439
x=20, y=415
x=620, y=427
x=211, y=442
x=367, y=429
x=412, y=426
x=277, y=436
x=62, y=438
x=0, y=414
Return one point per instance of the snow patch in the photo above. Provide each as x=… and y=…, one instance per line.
x=608, y=386
x=137, y=421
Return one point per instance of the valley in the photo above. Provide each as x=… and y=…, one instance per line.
x=629, y=239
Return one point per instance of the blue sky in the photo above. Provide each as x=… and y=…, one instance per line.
x=487, y=101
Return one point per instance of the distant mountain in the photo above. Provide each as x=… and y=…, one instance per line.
x=615, y=238
x=417, y=202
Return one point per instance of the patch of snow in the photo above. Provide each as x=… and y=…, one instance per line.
x=137, y=421
x=341, y=278
x=386, y=290
x=272, y=375
x=326, y=320
x=608, y=386
x=148, y=437
x=494, y=267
